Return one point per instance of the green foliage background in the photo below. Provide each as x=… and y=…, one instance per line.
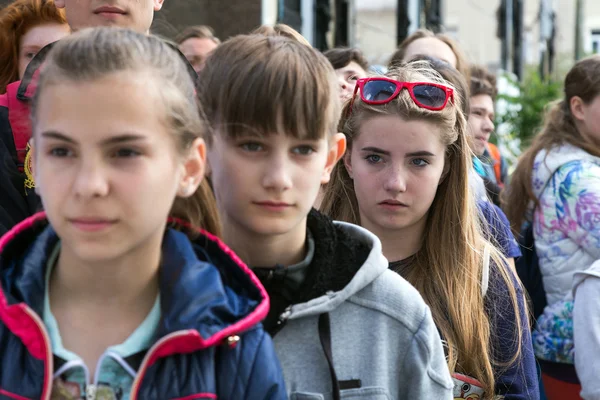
x=526, y=114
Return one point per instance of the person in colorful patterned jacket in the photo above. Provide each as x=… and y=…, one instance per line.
x=102, y=297
x=556, y=187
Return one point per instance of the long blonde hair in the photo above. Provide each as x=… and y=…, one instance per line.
x=448, y=268
x=95, y=53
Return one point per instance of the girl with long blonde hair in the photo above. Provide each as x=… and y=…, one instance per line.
x=405, y=178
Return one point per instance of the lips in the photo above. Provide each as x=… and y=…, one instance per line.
x=92, y=224
x=393, y=204
x=273, y=205
x=109, y=10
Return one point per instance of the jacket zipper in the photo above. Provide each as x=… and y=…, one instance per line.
x=90, y=392
x=47, y=347
x=144, y=366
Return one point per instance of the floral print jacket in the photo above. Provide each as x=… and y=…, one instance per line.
x=566, y=181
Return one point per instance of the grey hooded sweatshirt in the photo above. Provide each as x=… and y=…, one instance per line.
x=383, y=343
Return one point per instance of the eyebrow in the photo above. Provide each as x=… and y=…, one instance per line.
x=376, y=150
x=422, y=153
x=128, y=137
x=481, y=109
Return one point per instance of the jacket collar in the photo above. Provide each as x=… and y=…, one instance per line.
x=204, y=285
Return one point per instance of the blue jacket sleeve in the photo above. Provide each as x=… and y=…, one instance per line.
x=517, y=381
x=252, y=371
x=497, y=229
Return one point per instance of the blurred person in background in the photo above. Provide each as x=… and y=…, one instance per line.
x=556, y=190
x=26, y=26
x=426, y=43
x=350, y=65
x=196, y=43
x=488, y=163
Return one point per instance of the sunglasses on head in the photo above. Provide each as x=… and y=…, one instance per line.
x=380, y=90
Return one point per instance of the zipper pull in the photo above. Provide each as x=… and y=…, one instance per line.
x=284, y=316
x=90, y=392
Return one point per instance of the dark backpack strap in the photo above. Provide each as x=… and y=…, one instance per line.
x=325, y=337
x=528, y=270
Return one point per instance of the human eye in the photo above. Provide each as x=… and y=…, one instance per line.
x=29, y=55
x=419, y=162
x=60, y=152
x=374, y=159
x=304, y=150
x=126, y=153
x=353, y=78
x=251, y=147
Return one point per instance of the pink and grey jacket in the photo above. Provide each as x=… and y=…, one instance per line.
x=210, y=343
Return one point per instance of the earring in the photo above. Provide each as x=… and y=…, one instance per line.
x=187, y=191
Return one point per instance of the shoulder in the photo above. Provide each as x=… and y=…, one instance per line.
x=577, y=181
x=590, y=274
x=250, y=369
x=497, y=229
x=392, y=296
x=564, y=160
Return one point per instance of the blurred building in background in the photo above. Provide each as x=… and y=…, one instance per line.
x=506, y=34
x=548, y=26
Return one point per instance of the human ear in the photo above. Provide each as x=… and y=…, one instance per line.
x=577, y=108
x=337, y=148
x=59, y=3
x=158, y=4
x=348, y=163
x=194, y=168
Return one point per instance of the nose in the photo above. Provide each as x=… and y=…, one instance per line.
x=395, y=179
x=91, y=180
x=278, y=175
x=343, y=83
x=488, y=125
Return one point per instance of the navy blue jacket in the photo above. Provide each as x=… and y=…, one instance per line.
x=209, y=300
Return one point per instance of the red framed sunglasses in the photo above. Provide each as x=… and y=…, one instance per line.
x=381, y=90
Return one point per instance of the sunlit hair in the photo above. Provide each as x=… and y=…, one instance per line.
x=281, y=30
x=16, y=19
x=197, y=32
x=583, y=81
x=448, y=268
x=462, y=65
x=263, y=85
x=93, y=54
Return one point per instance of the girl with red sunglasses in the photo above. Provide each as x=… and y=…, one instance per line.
x=405, y=178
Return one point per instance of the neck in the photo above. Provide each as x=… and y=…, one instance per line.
x=128, y=283
x=258, y=250
x=399, y=244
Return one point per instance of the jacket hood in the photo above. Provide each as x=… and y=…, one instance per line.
x=591, y=272
x=374, y=265
x=204, y=286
